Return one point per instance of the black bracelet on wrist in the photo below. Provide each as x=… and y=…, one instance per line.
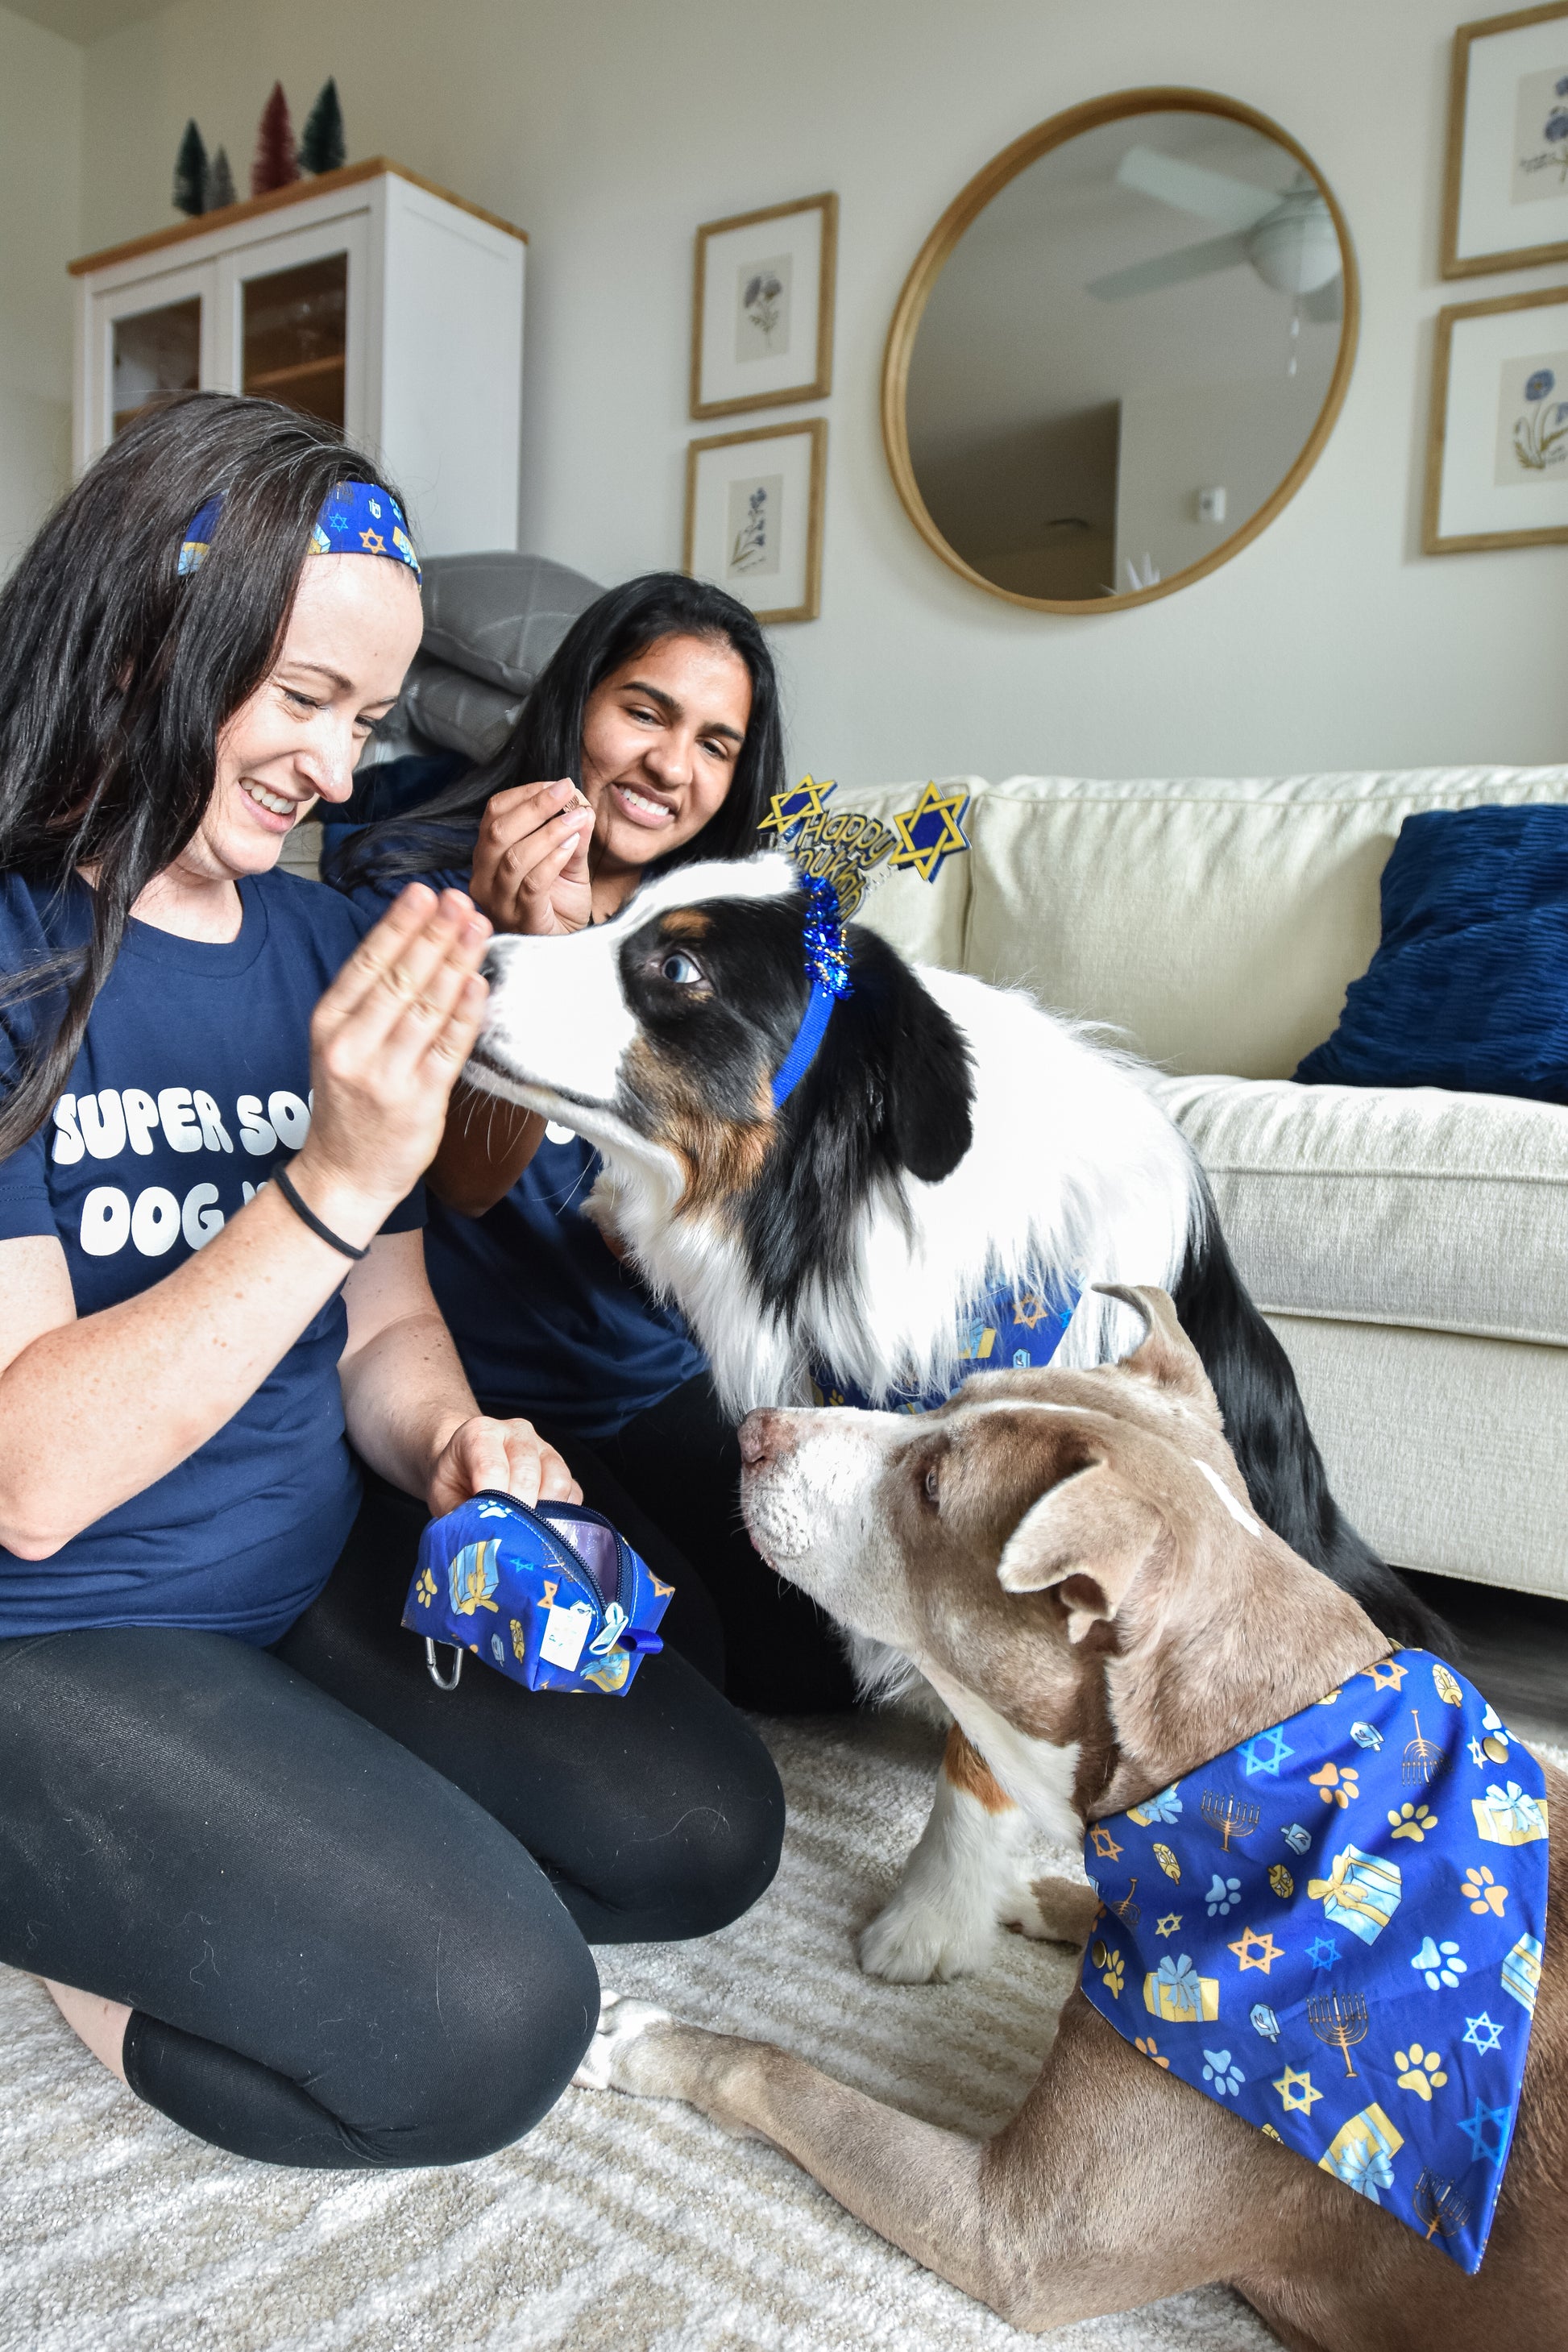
x=308, y=1216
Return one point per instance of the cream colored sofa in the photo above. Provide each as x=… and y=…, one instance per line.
x=1409, y=1245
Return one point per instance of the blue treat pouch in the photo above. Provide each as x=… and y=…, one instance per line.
x=554, y=1597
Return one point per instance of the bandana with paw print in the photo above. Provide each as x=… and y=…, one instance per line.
x=1335, y=1928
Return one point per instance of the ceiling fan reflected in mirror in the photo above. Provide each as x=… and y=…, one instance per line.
x=1288, y=240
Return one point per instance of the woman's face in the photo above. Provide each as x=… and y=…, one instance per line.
x=660, y=739
x=353, y=631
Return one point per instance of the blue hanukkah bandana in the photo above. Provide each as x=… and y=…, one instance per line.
x=358, y=519
x=1014, y=1326
x=1335, y=1929
x=554, y=1599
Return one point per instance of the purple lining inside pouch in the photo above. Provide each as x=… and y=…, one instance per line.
x=596, y=1547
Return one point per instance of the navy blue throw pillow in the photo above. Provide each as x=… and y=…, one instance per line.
x=1470, y=986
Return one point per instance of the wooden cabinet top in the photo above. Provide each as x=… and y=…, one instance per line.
x=297, y=192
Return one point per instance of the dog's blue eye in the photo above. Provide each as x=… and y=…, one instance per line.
x=680, y=969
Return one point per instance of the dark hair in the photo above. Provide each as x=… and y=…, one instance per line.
x=116, y=673
x=547, y=740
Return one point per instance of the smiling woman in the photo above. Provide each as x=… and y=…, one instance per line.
x=199, y=1650
x=650, y=741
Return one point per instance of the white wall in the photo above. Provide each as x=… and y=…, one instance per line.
x=40, y=225
x=609, y=128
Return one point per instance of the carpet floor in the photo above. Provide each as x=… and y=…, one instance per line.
x=620, y=2225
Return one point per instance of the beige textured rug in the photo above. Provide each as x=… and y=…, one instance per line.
x=620, y=2225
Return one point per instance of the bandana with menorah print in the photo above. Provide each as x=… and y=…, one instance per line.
x=1335, y=1929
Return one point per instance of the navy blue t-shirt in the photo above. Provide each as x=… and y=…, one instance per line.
x=548, y=1321
x=191, y=1084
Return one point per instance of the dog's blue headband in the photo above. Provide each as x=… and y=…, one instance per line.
x=358, y=519
x=828, y=967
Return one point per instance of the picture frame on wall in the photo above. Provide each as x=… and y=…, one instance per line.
x=1497, y=461
x=761, y=307
x=753, y=517
x=1505, y=196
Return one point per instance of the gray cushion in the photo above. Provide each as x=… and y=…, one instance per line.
x=499, y=617
x=445, y=708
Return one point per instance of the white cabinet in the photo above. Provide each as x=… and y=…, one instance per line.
x=366, y=296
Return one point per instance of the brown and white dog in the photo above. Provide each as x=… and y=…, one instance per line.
x=947, y=1137
x=1068, y=1558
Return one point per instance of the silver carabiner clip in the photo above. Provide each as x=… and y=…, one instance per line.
x=434, y=1670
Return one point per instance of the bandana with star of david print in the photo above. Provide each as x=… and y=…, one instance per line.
x=1335, y=1929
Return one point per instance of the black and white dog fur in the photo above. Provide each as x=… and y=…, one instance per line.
x=948, y=1135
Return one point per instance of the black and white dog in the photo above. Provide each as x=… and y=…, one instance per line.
x=946, y=1138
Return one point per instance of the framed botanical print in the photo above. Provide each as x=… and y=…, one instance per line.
x=753, y=517
x=1505, y=197
x=761, y=307
x=1497, y=463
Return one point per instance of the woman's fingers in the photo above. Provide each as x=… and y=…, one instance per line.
x=508, y=1455
x=390, y=960
x=407, y=915
x=414, y=989
x=528, y=837
x=426, y=1013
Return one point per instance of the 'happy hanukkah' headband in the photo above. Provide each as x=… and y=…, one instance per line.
x=357, y=519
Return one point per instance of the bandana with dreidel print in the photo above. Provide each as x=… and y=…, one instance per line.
x=1335, y=1929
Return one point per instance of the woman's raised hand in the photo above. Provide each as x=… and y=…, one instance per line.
x=530, y=863
x=387, y=1042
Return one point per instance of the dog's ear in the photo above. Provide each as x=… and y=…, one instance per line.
x=1164, y=1355
x=1086, y=1539
x=928, y=1081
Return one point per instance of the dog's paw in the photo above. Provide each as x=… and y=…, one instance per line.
x=608, y=2064
x=917, y=1940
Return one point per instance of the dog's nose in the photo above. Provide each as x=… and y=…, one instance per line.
x=490, y=969
x=765, y=1436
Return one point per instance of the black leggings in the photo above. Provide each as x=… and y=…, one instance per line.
x=671, y=1482
x=347, y=1910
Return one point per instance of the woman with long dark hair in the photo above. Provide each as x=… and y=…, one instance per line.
x=297, y=1898
x=652, y=738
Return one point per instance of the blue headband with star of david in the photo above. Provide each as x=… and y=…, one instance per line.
x=356, y=519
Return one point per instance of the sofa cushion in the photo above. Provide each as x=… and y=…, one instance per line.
x=925, y=921
x=448, y=709
x=1218, y=922
x=1470, y=986
x=499, y=616
x=1402, y=1205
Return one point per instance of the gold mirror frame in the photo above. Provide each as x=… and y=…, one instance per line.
x=966, y=207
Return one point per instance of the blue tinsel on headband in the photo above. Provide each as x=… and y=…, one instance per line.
x=827, y=957
x=827, y=969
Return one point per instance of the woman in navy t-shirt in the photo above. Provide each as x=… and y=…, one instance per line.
x=297, y=1898
x=662, y=700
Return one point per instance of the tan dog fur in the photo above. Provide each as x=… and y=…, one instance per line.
x=1068, y=1576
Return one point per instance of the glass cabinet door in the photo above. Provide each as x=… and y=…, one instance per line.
x=152, y=353
x=143, y=341
x=293, y=335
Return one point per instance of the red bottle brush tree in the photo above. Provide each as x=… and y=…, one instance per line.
x=276, y=165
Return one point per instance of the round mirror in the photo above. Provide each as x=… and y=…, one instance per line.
x=1120, y=351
